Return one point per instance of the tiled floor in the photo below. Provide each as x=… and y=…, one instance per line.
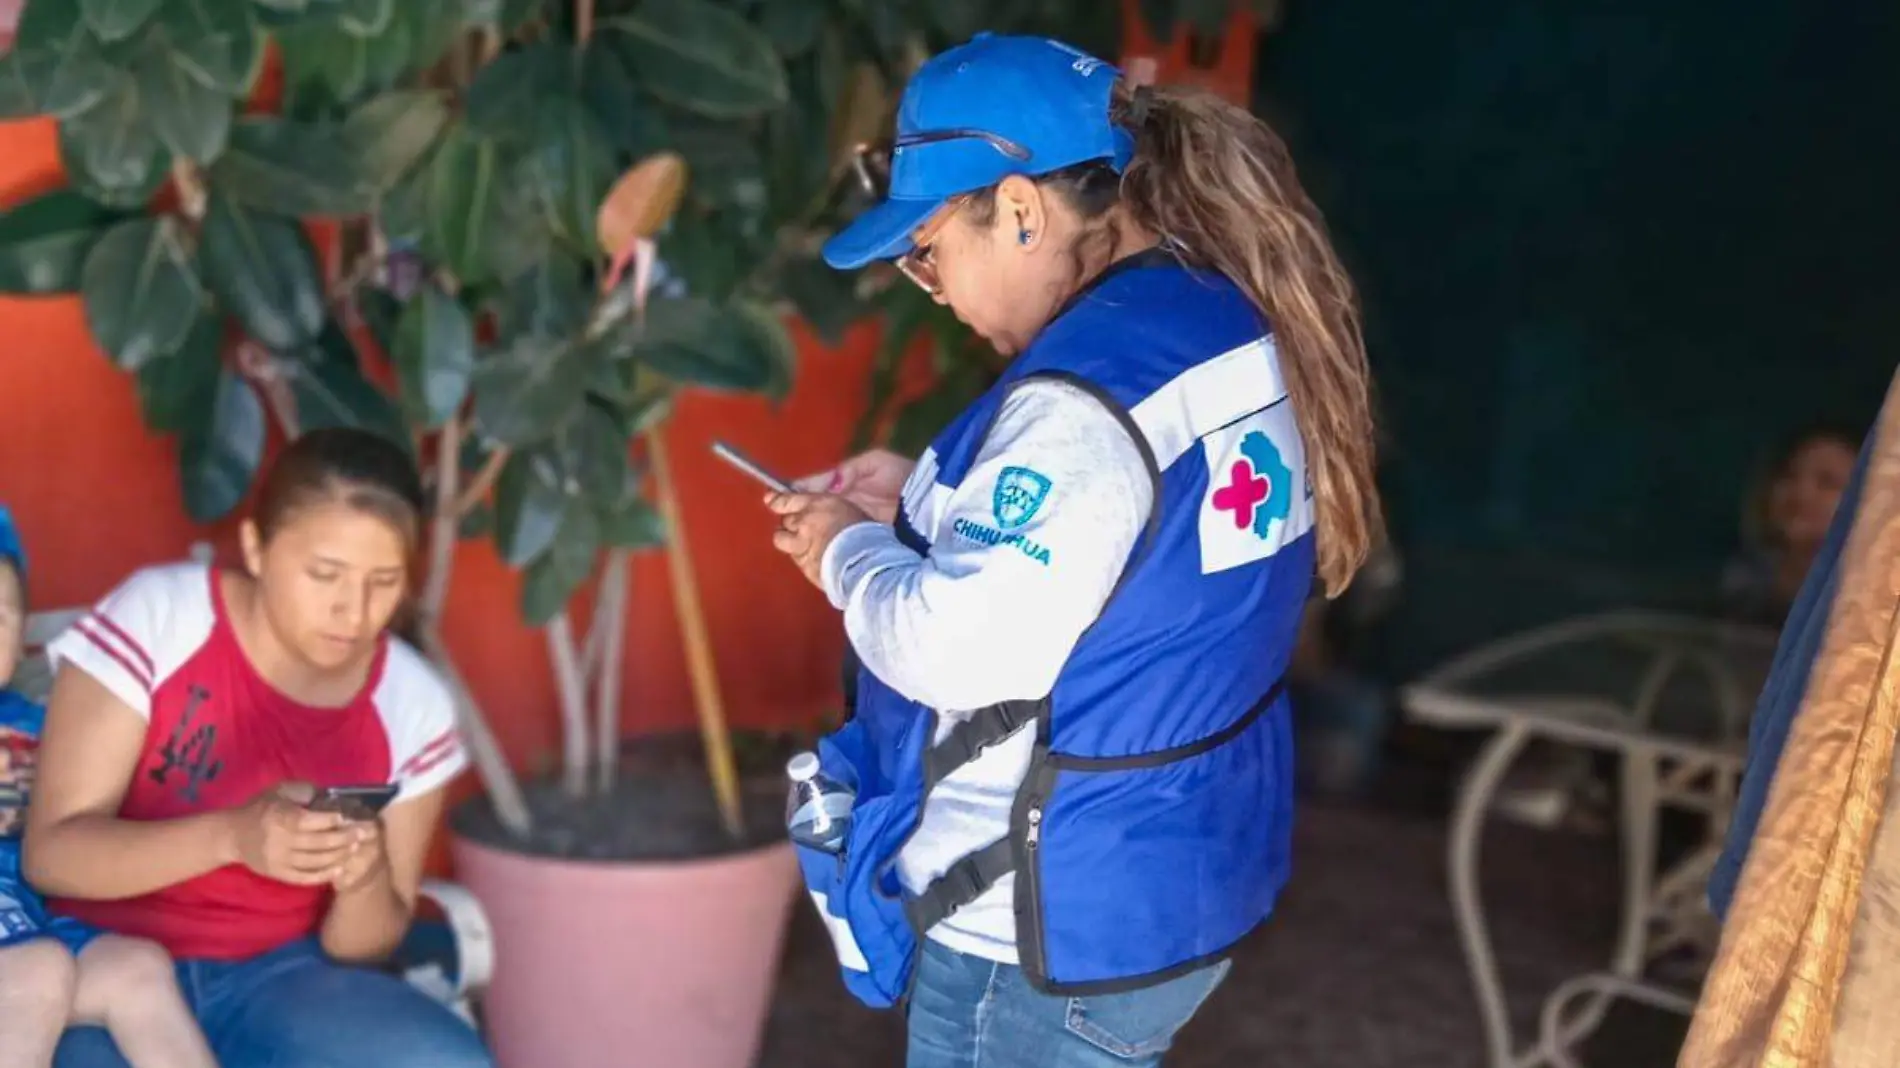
x=1360, y=968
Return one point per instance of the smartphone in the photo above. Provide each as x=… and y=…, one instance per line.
x=354, y=802
x=744, y=463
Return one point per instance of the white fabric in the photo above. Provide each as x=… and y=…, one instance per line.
x=141, y=633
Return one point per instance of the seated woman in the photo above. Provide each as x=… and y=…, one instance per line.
x=194, y=708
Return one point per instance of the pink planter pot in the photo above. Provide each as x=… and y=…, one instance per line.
x=602, y=963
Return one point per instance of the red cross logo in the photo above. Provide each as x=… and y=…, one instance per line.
x=1244, y=491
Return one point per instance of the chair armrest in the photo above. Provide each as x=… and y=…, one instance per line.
x=474, y=938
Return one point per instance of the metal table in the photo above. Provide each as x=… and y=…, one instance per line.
x=1615, y=684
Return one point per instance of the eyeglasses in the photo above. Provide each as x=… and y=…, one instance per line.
x=872, y=163
x=872, y=160
x=920, y=264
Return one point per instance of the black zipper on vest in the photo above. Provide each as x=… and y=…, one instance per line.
x=1026, y=830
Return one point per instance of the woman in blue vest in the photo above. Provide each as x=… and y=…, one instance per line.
x=1070, y=748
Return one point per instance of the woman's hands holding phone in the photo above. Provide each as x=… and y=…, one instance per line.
x=873, y=481
x=277, y=837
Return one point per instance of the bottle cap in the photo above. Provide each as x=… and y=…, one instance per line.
x=802, y=767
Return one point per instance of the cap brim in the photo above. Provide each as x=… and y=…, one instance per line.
x=881, y=233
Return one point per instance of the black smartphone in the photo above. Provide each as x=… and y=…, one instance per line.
x=354, y=802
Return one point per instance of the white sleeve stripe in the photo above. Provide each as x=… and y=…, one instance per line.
x=444, y=742
x=119, y=657
x=1209, y=396
x=131, y=646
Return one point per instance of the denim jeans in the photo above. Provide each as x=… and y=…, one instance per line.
x=292, y=1008
x=967, y=1012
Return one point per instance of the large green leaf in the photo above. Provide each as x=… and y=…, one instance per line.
x=793, y=26
x=434, y=355
x=43, y=242
x=764, y=330
x=291, y=168
x=826, y=299
x=18, y=100
x=528, y=390
x=220, y=449
x=115, y=20
x=634, y=524
x=571, y=169
x=113, y=146
x=696, y=342
x=529, y=501
x=702, y=57
x=595, y=448
x=175, y=390
x=461, y=196
x=510, y=97
x=390, y=133
x=551, y=301
x=218, y=42
x=334, y=393
x=123, y=181
x=629, y=119
x=190, y=117
x=140, y=293
x=324, y=66
x=551, y=581
x=365, y=18
x=262, y=269
x=59, y=59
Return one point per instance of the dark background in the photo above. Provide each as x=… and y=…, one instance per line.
x=1612, y=253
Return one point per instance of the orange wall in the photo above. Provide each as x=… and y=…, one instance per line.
x=96, y=496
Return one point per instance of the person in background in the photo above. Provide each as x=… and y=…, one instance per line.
x=192, y=712
x=56, y=971
x=1071, y=748
x=1784, y=522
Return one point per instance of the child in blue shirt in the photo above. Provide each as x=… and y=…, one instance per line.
x=55, y=971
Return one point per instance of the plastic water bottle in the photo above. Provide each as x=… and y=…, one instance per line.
x=818, y=812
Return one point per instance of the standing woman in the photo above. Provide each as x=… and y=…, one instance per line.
x=192, y=710
x=1071, y=746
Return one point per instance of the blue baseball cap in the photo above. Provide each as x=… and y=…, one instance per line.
x=976, y=114
x=10, y=548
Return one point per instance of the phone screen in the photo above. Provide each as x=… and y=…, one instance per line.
x=354, y=802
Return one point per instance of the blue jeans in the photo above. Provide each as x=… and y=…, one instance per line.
x=967, y=1012
x=292, y=1008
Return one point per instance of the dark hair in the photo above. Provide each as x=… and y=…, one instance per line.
x=362, y=470
x=1219, y=187
x=1761, y=484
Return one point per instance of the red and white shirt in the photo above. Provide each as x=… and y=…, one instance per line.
x=218, y=734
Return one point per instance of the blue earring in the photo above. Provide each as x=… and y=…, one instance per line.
x=1022, y=237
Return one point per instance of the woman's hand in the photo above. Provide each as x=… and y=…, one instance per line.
x=807, y=524
x=873, y=481
x=367, y=857
x=278, y=838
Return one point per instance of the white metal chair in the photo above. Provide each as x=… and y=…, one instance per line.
x=457, y=983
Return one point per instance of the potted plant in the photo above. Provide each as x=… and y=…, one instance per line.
x=450, y=229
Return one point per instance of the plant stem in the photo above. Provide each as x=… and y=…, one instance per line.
x=504, y=790
x=572, y=691
x=610, y=628
x=191, y=189
x=583, y=20
x=699, y=657
x=484, y=481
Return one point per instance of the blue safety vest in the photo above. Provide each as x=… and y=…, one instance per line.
x=1153, y=828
